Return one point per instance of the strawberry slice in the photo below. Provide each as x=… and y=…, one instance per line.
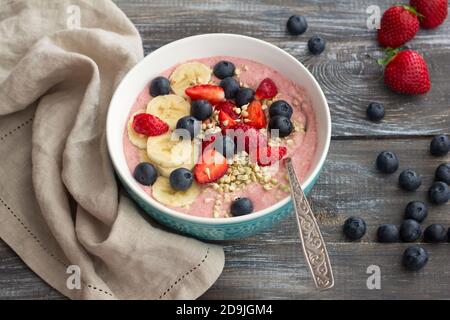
x=246, y=137
x=225, y=120
x=269, y=155
x=212, y=167
x=267, y=89
x=228, y=107
x=149, y=125
x=209, y=140
x=256, y=116
x=214, y=94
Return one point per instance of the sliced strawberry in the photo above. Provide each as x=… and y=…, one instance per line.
x=214, y=94
x=246, y=137
x=149, y=125
x=256, y=116
x=212, y=167
x=225, y=120
x=269, y=155
x=209, y=140
x=228, y=107
x=267, y=89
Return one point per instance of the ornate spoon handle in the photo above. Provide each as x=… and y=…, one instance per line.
x=312, y=242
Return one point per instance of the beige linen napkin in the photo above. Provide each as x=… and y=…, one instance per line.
x=60, y=206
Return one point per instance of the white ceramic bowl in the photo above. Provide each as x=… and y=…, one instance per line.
x=202, y=46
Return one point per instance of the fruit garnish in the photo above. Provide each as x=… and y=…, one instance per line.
x=269, y=155
x=399, y=24
x=256, y=116
x=433, y=12
x=267, y=89
x=208, y=140
x=214, y=94
x=406, y=72
x=228, y=107
x=226, y=120
x=212, y=167
x=246, y=137
x=149, y=125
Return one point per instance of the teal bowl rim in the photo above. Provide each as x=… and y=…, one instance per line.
x=126, y=176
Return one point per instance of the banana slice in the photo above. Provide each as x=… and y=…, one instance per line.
x=169, y=108
x=166, y=150
x=189, y=164
x=137, y=139
x=188, y=75
x=163, y=192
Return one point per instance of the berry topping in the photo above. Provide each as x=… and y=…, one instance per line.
x=231, y=87
x=433, y=12
x=440, y=145
x=416, y=210
x=282, y=124
x=435, y=233
x=316, y=45
x=443, y=173
x=387, y=162
x=439, y=193
x=214, y=94
x=160, y=86
x=388, y=233
x=399, y=24
x=241, y=206
x=281, y=108
x=297, y=25
x=212, y=167
x=149, y=125
x=410, y=230
x=181, y=179
x=225, y=120
x=415, y=258
x=192, y=125
x=354, y=228
x=224, y=69
x=228, y=108
x=201, y=109
x=145, y=173
x=269, y=155
x=256, y=116
x=244, y=96
x=267, y=89
x=224, y=145
x=409, y=180
x=375, y=111
x=246, y=138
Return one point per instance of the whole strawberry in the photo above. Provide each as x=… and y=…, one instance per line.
x=433, y=12
x=399, y=24
x=406, y=72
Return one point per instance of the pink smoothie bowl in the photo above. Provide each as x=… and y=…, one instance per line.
x=197, y=47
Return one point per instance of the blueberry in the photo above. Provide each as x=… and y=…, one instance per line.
x=181, y=179
x=439, y=193
x=410, y=230
x=231, y=87
x=388, y=233
x=297, y=25
x=282, y=124
x=415, y=258
x=416, y=210
x=387, y=162
x=201, y=109
x=354, y=228
x=241, y=206
x=224, y=69
x=316, y=45
x=435, y=233
x=225, y=145
x=443, y=173
x=145, y=173
x=244, y=96
x=409, y=180
x=375, y=111
x=280, y=108
x=192, y=125
x=160, y=86
x=440, y=145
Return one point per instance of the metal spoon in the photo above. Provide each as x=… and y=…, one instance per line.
x=312, y=241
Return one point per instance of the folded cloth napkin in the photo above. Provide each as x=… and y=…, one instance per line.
x=61, y=209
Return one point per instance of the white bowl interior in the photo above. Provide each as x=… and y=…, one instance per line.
x=200, y=47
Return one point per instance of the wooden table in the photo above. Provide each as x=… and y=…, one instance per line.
x=271, y=265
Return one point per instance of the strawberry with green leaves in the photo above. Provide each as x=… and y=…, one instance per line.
x=399, y=24
x=433, y=12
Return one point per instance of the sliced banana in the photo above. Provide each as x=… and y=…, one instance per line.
x=137, y=139
x=169, y=108
x=168, y=151
x=188, y=75
x=163, y=192
x=189, y=164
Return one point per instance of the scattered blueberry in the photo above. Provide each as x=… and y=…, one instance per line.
x=282, y=124
x=387, y=162
x=435, y=233
x=388, y=233
x=409, y=180
x=201, y=109
x=354, y=228
x=231, y=87
x=241, y=206
x=410, y=230
x=439, y=193
x=316, y=45
x=297, y=25
x=145, y=173
x=224, y=69
x=440, y=145
x=416, y=210
x=192, y=125
x=244, y=96
x=181, y=179
x=280, y=108
x=160, y=86
x=225, y=145
x=375, y=111
x=443, y=173
x=415, y=258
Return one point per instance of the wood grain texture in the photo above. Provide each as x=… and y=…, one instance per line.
x=270, y=265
